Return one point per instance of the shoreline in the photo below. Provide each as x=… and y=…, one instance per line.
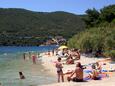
x=48, y=64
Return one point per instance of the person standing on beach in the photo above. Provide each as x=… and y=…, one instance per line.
x=24, y=56
x=59, y=70
x=53, y=52
x=29, y=55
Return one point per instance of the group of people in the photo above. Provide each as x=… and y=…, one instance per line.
x=70, y=55
x=30, y=56
x=77, y=75
x=34, y=60
x=78, y=72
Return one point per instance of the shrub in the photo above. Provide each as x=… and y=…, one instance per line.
x=111, y=54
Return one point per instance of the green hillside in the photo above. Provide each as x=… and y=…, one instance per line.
x=18, y=24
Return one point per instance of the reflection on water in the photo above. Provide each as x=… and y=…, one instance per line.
x=12, y=63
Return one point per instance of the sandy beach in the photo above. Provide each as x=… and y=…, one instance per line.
x=49, y=64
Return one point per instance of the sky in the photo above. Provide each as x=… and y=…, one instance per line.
x=72, y=6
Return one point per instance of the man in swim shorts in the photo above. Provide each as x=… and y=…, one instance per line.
x=78, y=74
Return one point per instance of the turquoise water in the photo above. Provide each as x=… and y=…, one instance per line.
x=11, y=62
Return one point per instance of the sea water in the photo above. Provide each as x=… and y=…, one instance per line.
x=12, y=62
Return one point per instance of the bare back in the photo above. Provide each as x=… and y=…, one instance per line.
x=95, y=73
x=79, y=73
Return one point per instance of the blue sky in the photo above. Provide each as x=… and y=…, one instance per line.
x=73, y=6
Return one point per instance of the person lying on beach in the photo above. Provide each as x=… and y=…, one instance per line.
x=94, y=73
x=76, y=54
x=105, y=60
x=21, y=75
x=59, y=70
x=70, y=60
x=78, y=74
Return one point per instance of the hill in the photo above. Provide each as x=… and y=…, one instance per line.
x=18, y=24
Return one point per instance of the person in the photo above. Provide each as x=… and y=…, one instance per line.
x=24, y=56
x=34, y=58
x=53, y=52
x=59, y=70
x=60, y=53
x=94, y=73
x=78, y=74
x=70, y=60
x=48, y=53
x=78, y=55
x=29, y=55
x=21, y=75
x=98, y=66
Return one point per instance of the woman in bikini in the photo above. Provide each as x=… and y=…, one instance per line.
x=95, y=73
x=59, y=70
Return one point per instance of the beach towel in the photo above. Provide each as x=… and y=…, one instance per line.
x=101, y=76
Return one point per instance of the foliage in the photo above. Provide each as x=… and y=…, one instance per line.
x=110, y=53
x=92, y=17
x=97, y=18
x=107, y=13
x=100, y=34
x=94, y=38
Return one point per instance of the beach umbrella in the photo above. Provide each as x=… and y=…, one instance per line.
x=62, y=47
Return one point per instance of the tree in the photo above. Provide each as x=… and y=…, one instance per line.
x=92, y=17
x=107, y=13
x=100, y=18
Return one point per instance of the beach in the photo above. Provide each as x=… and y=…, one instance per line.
x=49, y=64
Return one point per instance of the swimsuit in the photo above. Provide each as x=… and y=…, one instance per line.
x=75, y=79
x=97, y=78
x=59, y=70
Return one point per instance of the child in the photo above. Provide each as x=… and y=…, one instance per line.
x=59, y=70
x=21, y=75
